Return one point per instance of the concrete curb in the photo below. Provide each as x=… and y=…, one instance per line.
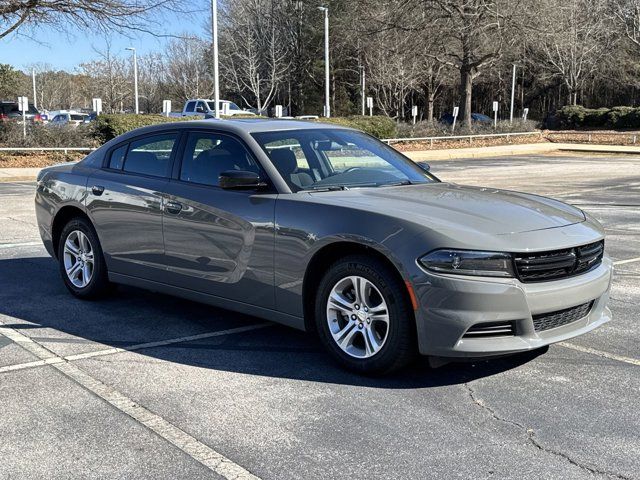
x=30, y=174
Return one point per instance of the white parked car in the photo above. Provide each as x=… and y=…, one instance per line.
x=206, y=108
x=71, y=118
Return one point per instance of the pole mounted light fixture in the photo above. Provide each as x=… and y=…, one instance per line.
x=327, y=107
x=135, y=77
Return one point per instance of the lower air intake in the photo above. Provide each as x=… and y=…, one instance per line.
x=559, y=318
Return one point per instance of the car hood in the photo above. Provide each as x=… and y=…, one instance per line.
x=445, y=205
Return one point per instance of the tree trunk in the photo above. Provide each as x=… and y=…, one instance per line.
x=466, y=87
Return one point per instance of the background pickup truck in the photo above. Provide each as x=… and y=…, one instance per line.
x=206, y=108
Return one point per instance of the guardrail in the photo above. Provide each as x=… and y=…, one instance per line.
x=388, y=141
x=47, y=149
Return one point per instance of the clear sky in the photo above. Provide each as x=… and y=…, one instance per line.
x=65, y=51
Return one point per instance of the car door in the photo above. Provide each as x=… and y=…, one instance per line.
x=125, y=200
x=218, y=241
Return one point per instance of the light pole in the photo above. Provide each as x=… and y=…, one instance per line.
x=363, y=87
x=327, y=108
x=214, y=35
x=135, y=76
x=513, y=91
x=33, y=79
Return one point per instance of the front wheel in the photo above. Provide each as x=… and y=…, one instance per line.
x=82, y=264
x=363, y=316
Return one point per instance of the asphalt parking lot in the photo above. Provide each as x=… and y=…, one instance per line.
x=141, y=385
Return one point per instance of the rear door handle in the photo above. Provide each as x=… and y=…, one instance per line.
x=97, y=190
x=173, y=207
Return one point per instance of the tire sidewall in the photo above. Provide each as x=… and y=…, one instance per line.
x=98, y=279
x=400, y=316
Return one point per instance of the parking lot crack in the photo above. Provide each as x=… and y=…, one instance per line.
x=530, y=433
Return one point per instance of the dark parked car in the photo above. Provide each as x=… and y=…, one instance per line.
x=10, y=111
x=475, y=118
x=326, y=229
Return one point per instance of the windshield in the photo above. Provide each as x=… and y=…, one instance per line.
x=325, y=158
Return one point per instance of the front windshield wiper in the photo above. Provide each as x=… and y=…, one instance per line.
x=395, y=184
x=324, y=188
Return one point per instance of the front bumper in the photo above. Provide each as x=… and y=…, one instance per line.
x=450, y=304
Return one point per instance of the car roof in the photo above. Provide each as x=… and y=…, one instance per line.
x=236, y=125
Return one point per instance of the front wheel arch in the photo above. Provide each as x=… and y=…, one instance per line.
x=320, y=263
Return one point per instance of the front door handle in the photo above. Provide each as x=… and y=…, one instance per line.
x=173, y=207
x=97, y=190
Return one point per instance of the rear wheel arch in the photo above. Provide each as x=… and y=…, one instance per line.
x=320, y=263
x=61, y=218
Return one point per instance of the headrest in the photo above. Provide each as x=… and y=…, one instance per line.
x=284, y=160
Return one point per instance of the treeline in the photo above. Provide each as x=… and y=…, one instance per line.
x=434, y=54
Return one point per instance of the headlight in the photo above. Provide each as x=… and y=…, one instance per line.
x=468, y=262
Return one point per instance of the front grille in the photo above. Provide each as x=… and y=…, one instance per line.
x=558, y=318
x=491, y=329
x=541, y=266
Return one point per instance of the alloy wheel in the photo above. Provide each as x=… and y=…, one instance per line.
x=78, y=259
x=358, y=317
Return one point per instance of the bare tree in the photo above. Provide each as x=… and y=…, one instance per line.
x=187, y=71
x=106, y=15
x=254, y=58
x=570, y=40
x=110, y=79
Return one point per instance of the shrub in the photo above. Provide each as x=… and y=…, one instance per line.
x=440, y=129
x=38, y=135
x=377, y=126
x=106, y=127
x=576, y=116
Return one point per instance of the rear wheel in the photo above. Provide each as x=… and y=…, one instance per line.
x=82, y=265
x=363, y=316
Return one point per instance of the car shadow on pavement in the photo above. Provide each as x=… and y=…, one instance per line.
x=34, y=297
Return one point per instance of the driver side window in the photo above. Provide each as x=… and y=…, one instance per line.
x=207, y=155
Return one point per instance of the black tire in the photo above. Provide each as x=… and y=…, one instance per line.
x=400, y=347
x=99, y=284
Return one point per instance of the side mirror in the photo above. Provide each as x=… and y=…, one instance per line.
x=239, y=179
x=424, y=166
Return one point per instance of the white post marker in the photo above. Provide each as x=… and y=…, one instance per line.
x=327, y=106
x=166, y=107
x=370, y=105
x=97, y=105
x=278, y=111
x=23, y=106
x=495, y=114
x=513, y=92
x=525, y=112
x=414, y=113
x=214, y=34
x=225, y=109
x=455, y=116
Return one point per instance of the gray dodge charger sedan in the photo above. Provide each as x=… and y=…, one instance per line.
x=325, y=229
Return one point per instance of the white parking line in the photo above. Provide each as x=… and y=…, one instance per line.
x=600, y=353
x=630, y=260
x=190, y=445
x=112, y=351
x=16, y=245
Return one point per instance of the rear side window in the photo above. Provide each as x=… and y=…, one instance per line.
x=207, y=155
x=117, y=157
x=151, y=155
x=190, y=107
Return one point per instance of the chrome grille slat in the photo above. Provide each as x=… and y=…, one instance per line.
x=491, y=329
x=552, y=265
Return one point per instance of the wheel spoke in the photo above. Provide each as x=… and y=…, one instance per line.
x=70, y=247
x=362, y=291
x=74, y=270
x=338, y=301
x=345, y=336
x=370, y=341
x=84, y=242
x=86, y=274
